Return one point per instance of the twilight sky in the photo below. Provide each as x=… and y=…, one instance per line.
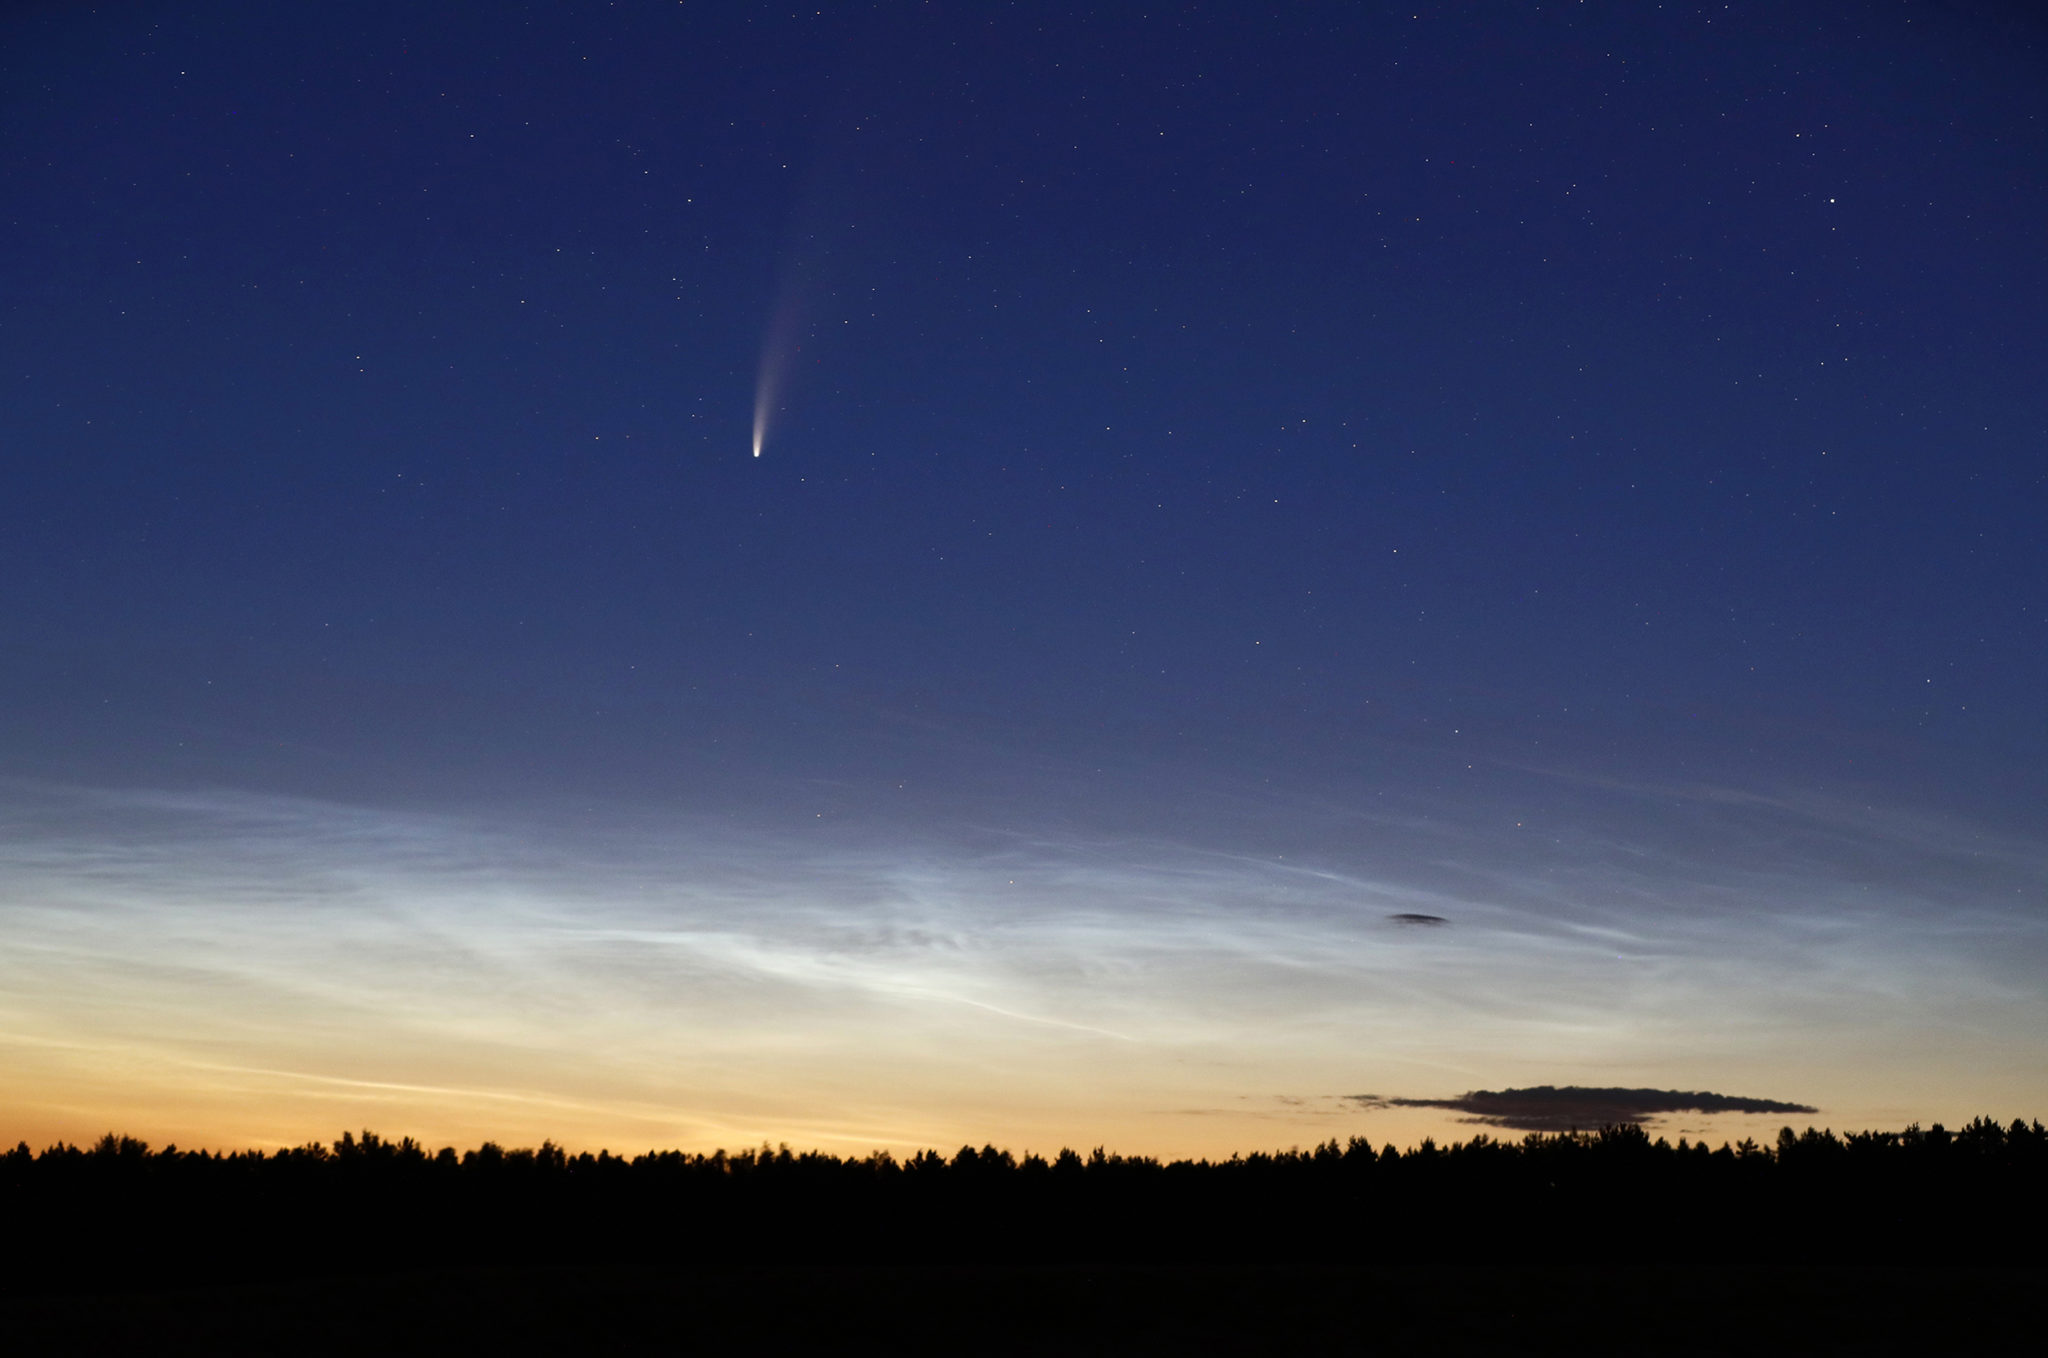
x=1226, y=479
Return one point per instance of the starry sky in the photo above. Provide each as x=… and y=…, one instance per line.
x=1186, y=577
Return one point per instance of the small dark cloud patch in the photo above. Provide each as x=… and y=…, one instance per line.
x=1420, y=921
x=1547, y=1108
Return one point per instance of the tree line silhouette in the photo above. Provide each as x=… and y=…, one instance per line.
x=119, y=1214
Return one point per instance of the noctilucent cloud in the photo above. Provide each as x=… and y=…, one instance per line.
x=1194, y=581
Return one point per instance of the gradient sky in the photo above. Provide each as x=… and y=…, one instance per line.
x=1228, y=478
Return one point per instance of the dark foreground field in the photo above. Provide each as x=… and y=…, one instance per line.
x=1068, y=1310
x=1907, y=1242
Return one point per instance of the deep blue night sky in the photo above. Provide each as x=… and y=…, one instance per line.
x=1230, y=475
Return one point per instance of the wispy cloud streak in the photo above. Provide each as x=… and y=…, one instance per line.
x=871, y=977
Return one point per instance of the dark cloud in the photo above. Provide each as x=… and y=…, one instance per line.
x=1546, y=1108
x=1408, y=917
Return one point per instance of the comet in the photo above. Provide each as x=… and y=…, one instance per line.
x=782, y=343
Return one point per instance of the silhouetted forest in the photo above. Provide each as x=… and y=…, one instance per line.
x=120, y=1215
